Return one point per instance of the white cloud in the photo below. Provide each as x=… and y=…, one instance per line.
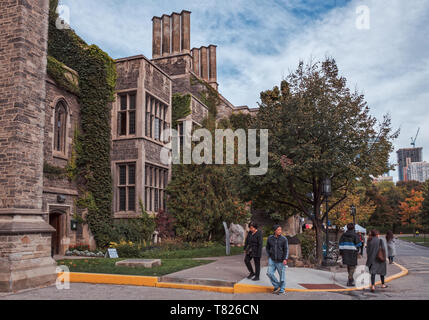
x=260, y=42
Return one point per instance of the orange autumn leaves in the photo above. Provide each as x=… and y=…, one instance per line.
x=341, y=215
x=411, y=208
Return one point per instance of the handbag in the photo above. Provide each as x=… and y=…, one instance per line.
x=381, y=254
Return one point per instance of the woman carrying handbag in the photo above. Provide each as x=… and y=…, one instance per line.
x=376, y=258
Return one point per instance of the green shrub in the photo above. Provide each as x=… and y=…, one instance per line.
x=308, y=244
x=138, y=230
x=127, y=249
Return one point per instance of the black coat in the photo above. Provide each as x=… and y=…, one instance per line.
x=278, y=248
x=349, y=244
x=254, y=244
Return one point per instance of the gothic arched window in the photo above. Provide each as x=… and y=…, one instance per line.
x=60, y=127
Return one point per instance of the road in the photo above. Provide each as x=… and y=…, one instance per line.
x=414, y=286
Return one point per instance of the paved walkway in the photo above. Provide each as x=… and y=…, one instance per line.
x=232, y=270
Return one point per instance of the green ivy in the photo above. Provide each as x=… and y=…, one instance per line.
x=208, y=95
x=97, y=78
x=53, y=172
x=181, y=107
x=61, y=75
x=71, y=168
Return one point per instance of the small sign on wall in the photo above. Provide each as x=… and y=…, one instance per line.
x=112, y=253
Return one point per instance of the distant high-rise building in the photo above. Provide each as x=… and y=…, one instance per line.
x=413, y=154
x=418, y=171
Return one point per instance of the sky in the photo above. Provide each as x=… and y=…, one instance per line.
x=381, y=46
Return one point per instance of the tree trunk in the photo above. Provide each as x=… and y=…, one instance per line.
x=319, y=241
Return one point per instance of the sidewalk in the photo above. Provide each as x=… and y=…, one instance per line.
x=227, y=271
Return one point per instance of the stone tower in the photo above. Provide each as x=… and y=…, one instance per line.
x=25, y=237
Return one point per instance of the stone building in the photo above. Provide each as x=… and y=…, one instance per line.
x=39, y=120
x=140, y=114
x=143, y=109
x=189, y=69
x=62, y=119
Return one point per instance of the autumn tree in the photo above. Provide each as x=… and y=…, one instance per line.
x=365, y=208
x=318, y=128
x=411, y=210
x=425, y=206
x=387, y=197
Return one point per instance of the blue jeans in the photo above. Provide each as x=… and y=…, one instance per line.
x=281, y=269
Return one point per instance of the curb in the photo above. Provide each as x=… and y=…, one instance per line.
x=238, y=288
x=98, y=278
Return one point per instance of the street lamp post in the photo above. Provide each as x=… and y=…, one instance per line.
x=353, y=213
x=327, y=192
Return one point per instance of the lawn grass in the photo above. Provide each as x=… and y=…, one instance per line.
x=107, y=266
x=417, y=240
x=209, y=252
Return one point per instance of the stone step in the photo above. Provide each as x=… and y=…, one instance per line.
x=200, y=281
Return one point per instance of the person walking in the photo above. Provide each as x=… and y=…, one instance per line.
x=278, y=253
x=391, y=246
x=376, y=258
x=349, y=246
x=362, y=240
x=253, y=249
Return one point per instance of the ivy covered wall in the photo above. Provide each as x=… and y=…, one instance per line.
x=97, y=79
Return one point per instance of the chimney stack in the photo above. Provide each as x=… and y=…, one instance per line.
x=213, y=67
x=166, y=35
x=156, y=37
x=204, y=63
x=196, y=61
x=186, y=31
x=171, y=34
x=175, y=17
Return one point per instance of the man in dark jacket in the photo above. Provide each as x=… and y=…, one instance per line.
x=349, y=248
x=278, y=252
x=253, y=248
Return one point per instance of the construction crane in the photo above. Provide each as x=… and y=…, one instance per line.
x=413, y=141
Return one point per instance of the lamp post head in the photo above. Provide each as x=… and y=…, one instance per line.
x=353, y=210
x=327, y=187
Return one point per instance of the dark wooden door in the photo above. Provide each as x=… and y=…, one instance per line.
x=54, y=221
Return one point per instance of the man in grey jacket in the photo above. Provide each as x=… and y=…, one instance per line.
x=278, y=252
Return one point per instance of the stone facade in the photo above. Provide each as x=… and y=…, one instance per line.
x=25, y=237
x=60, y=213
x=152, y=89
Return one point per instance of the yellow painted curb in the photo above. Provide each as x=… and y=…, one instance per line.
x=238, y=288
x=186, y=286
x=403, y=273
x=113, y=279
x=251, y=288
